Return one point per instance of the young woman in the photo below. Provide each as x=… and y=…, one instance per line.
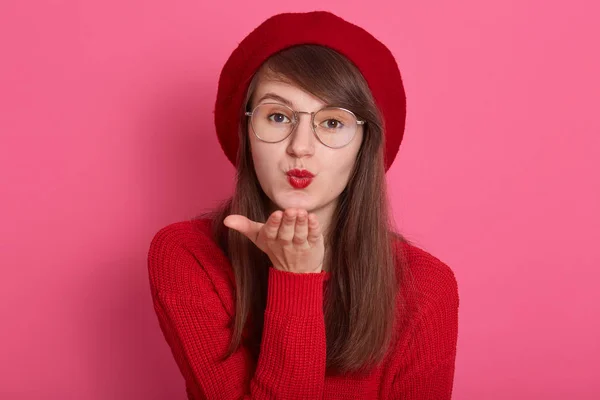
x=298, y=287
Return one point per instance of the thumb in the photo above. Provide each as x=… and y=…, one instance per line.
x=243, y=225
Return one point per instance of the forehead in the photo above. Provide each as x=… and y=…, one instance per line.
x=273, y=90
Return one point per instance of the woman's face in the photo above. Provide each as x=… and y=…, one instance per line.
x=301, y=150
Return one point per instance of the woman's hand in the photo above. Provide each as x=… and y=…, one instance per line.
x=293, y=239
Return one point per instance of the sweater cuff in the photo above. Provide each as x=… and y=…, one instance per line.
x=295, y=293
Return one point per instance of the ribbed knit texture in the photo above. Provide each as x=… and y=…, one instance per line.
x=192, y=289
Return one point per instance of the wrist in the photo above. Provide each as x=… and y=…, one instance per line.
x=295, y=293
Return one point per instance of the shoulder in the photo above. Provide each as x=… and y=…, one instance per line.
x=427, y=319
x=426, y=281
x=183, y=257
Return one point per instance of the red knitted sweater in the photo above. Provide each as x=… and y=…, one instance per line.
x=192, y=289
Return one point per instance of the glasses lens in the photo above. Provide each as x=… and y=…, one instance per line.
x=335, y=126
x=272, y=122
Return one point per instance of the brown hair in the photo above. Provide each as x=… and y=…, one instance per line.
x=360, y=297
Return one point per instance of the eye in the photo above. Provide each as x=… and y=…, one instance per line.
x=279, y=118
x=332, y=124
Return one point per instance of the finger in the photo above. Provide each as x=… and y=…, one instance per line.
x=272, y=225
x=301, y=232
x=286, y=230
x=314, y=229
x=243, y=225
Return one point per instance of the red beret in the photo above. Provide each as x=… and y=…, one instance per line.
x=373, y=59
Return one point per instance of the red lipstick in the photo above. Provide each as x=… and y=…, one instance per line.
x=300, y=178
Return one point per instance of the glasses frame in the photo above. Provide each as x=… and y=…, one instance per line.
x=296, y=121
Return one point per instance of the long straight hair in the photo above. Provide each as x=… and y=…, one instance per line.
x=361, y=295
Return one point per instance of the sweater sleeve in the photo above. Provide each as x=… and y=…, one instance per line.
x=197, y=326
x=427, y=372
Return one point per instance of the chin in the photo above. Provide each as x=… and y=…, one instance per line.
x=294, y=201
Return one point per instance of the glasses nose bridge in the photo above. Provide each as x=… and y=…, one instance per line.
x=304, y=112
x=311, y=121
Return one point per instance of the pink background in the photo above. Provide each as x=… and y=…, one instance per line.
x=106, y=135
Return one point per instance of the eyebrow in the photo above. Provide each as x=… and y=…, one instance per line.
x=271, y=95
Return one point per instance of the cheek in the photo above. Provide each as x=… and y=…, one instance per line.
x=265, y=162
x=343, y=160
x=260, y=153
x=338, y=172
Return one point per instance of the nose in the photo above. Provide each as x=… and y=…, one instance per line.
x=302, y=141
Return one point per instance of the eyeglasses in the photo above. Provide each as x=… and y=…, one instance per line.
x=334, y=126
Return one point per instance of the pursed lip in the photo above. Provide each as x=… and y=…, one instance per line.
x=300, y=173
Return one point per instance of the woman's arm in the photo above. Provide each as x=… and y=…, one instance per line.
x=427, y=370
x=197, y=327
